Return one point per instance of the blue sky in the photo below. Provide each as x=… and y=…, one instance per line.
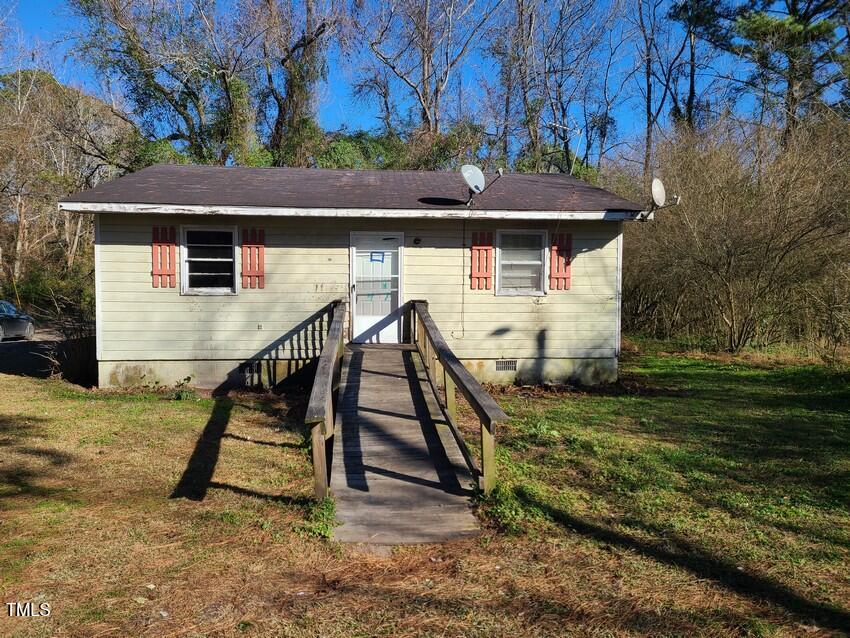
x=49, y=22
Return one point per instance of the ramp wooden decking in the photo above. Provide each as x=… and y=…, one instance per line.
x=397, y=474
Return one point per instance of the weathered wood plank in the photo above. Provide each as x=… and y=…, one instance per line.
x=320, y=462
x=398, y=476
x=451, y=398
x=488, y=460
x=317, y=408
x=483, y=404
x=442, y=365
x=320, y=408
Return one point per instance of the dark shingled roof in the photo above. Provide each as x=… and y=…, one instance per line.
x=341, y=188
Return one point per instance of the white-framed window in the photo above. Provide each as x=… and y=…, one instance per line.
x=208, y=260
x=521, y=262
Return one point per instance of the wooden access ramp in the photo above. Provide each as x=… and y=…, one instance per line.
x=397, y=473
x=385, y=441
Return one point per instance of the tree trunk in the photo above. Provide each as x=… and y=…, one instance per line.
x=692, y=73
x=430, y=106
x=650, y=117
x=529, y=110
x=20, y=240
x=602, y=141
x=508, y=83
x=75, y=242
x=647, y=151
x=792, y=104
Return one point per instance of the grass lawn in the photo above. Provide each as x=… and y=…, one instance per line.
x=700, y=496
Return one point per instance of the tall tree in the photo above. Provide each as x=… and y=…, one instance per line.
x=571, y=34
x=694, y=16
x=546, y=53
x=423, y=43
x=39, y=163
x=182, y=65
x=211, y=77
x=527, y=21
x=294, y=40
x=798, y=51
x=660, y=55
x=797, y=48
x=604, y=94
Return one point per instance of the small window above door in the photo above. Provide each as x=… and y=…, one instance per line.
x=208, y=259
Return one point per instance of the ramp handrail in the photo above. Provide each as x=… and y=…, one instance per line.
x=320, y=408
x=440, y=361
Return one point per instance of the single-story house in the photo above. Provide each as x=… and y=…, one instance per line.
x=223, y=273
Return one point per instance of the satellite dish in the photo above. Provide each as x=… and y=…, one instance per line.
x=659, y=193
x=474, y=178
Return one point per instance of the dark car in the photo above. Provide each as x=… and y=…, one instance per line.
x=14, y=323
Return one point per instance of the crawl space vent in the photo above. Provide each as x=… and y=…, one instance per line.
x=503, y=365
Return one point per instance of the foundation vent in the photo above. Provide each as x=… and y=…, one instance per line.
x=505, y=365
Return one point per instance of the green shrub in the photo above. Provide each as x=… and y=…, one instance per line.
x=320, y=520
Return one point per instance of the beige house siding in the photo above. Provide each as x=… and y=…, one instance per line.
x=148, y=334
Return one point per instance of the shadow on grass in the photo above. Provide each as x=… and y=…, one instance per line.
x=20, y=478
x=296, y=501
x=197, y=477
x=587, y=607
x=809, y=387
x=763, y=433
x=198, y=474
x=686, y=555
x=769, y=446
x=293, y=446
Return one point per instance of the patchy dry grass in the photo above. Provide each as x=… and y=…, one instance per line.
x=731, y=471
x=698, y=497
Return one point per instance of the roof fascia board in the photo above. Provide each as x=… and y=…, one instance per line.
x=173, y=209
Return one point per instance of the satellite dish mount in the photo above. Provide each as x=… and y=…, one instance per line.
x=475, y=180
x=659, y=199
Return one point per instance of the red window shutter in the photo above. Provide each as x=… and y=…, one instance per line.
x=560, y=258
x=163, y=260
x=482, y=261
x=253, y=258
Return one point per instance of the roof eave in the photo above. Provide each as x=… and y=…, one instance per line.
x=413, y=213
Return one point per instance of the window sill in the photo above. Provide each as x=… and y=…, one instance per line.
x=212, y=292
x=519, y=293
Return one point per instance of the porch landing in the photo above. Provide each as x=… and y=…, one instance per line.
x=397, y=474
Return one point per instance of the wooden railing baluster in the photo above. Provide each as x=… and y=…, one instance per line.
x=445, y=370
x=451, y=398
x=320, y=409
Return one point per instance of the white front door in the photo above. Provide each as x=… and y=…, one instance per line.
x=376, y=288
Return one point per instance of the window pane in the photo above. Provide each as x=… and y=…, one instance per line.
x=210, y=260
x=215, y=237
x=514, y=255
x=521, y=247
x=522, y=241
x=375, y=305
x=203, y=252
x=209, y=267
x=373, y=264
x=521, y=277
x=375, y=286
x=211, y=281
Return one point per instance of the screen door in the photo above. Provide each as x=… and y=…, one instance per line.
x=376, y=291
